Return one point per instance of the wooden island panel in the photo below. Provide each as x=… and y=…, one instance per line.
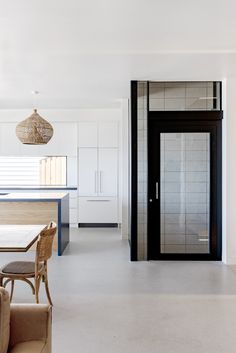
x=29, y=213
x=38, y=208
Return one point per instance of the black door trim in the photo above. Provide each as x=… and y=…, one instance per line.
x=134, y=172
x=197, y=115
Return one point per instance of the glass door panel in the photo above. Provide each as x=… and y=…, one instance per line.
x=184, y=186
x=184, y=193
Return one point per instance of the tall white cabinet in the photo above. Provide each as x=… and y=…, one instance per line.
x=98, y=164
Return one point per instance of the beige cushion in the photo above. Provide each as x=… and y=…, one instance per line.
x=28, y=347
x=19, y=267
x=4, y=320
x=30, y=323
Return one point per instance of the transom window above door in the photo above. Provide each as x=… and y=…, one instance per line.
x=191, y=95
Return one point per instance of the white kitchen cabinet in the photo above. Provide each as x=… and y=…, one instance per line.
x=98, y=134
x=98, y=210
x=88, y=171
x=87, y=134
x=10, y=145
x=108, y=134
x=98, y=171
x=73, y=215
x=63, y=141
x=73, y=203
x=108, y=171
x=28, y=150
x=98, y=185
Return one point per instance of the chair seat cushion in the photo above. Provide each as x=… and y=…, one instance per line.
x=28, y=347
x=19, y=267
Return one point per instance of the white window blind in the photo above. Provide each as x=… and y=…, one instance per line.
x=28, y=171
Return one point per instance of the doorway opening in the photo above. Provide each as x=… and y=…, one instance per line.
x=176, y=201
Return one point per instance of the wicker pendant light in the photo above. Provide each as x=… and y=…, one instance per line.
x=34, y=130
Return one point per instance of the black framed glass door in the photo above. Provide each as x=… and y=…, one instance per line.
x=184, y=185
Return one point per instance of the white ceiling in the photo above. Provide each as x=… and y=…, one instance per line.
x=84, y=53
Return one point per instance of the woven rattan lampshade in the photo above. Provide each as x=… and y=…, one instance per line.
x=34, y=130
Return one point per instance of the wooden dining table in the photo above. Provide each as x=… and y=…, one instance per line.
x=18, y=237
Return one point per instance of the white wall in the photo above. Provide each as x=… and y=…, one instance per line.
x=229, y=172
x=61, y=115
x=125, y=160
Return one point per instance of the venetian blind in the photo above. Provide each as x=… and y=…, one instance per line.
x=30, y=171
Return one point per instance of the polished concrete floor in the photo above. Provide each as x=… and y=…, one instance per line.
x=103, y=303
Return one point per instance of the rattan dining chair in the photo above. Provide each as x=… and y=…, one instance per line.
x=24, y=270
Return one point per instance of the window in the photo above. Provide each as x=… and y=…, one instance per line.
x=196, y=95
x=19, y=171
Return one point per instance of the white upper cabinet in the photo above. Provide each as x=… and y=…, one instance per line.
x=108, y=134
x=87, y=134
x=98, y=134
x=10, y=145
x=63, y=141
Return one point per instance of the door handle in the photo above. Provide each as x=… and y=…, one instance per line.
x=157, y=191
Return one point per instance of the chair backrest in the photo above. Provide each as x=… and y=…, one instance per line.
x=44, y=244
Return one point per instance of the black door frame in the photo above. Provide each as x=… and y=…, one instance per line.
x=186, y=121
x=134, y=177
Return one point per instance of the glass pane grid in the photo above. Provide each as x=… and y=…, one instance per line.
x=185, y=192
x=142, y=171
x=204, y=95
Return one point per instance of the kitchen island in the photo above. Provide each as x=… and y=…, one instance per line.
x=38, y=208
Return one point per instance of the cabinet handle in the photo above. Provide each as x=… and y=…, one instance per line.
x=95, y=178
x=100, y=175
x=157, y=191
x=98, y=200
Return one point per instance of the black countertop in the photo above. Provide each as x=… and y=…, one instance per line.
x=38, y=187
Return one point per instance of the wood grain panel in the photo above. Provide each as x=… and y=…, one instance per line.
x=29, y=213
